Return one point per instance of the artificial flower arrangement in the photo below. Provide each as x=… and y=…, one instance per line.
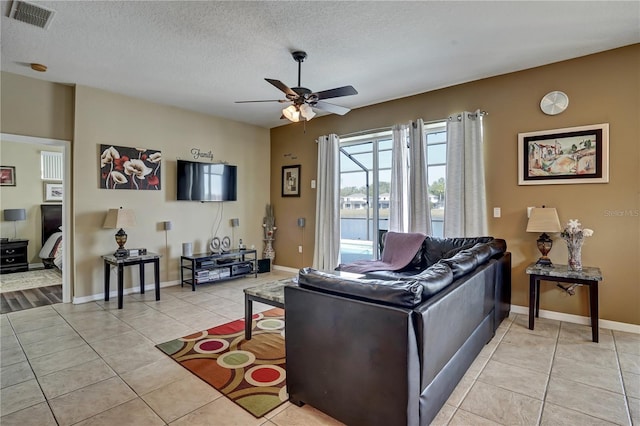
x=574, y=236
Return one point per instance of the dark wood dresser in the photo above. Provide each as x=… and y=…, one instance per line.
x=13, y=256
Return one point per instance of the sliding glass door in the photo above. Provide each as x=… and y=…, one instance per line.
x=365, y=175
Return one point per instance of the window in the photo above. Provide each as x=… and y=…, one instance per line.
x=436, y=137
x=365, y=176
x=51, y=165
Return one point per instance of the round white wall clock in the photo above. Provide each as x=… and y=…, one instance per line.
x=554, y=102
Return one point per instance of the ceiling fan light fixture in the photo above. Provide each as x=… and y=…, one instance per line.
x=307, y=112
x=291, y=113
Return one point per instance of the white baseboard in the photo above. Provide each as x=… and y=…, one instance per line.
x=112, y=294
x=33, y=266
x=286, y=269
x=577, y=319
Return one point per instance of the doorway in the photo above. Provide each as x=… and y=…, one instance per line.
x=66, y=202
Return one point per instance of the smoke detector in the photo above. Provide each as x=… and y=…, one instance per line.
x=32, y=14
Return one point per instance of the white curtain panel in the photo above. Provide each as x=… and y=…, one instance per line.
x=327, y=247
x=399, y=192
x=419, y=208
x=465, y=212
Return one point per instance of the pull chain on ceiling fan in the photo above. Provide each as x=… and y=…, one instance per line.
x=303, y=99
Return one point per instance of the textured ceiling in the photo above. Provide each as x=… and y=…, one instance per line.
x=203, y=56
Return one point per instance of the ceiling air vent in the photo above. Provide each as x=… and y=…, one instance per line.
x=31, y=14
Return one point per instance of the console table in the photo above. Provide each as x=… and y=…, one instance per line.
x=589, y=276
x=210, y=267
x=120, y=263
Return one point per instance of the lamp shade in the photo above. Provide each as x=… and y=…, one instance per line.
x=119, y=218
x=291, y=113
x=307, y=112
x=544, y=220
x=15, y=214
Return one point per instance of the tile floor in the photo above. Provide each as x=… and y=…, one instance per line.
x=93, y=364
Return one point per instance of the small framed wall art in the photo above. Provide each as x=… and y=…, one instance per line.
x=564, y=156
x=53, y=192
x=7, y=176
x=291, y=181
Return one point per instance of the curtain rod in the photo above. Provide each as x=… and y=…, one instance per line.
x=470, y=115
x=381, y=129
x=364, y=132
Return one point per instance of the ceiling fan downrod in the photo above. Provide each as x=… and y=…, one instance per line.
x=299, y=56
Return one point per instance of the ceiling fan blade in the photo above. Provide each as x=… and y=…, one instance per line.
x=283, y=87
x=268, y=100
x=337, y=92
x=335, y=109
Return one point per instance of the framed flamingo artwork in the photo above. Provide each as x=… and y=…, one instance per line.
x=130, y=168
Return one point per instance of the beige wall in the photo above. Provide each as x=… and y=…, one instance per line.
x=90, y=117
x=603, y=88
x=33, y=107
x=108, y=118
x=28, y=193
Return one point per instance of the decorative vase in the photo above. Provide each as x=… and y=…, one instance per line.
x=269, y=252
x=575, y=257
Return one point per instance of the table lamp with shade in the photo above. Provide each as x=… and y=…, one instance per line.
x=544, y=220
x=14, y=215
x=119, y=219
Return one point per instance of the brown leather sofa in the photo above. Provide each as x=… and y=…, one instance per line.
x=377, y=351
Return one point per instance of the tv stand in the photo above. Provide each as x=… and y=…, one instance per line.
x=212, y=267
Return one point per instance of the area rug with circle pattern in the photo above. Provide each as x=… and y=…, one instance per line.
x=249, y=372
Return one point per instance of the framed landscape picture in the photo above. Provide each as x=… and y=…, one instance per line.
x=291, y=181
x=7, y=176
x=564, y=156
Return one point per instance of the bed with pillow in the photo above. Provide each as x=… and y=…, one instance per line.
x=52, y=247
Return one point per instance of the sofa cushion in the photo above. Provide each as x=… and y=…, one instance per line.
x=434, y=279
x=392, y=275
x=461, y=264
x=404, y=293
x=481, y=251
x=497, y=246
x=456, y=250
x=435, y=248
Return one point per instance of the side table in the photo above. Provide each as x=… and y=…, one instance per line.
x=13, y=256
x=589, y=276
x=270, y=293
x=120, y=263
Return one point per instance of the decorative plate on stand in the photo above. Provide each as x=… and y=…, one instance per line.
x=225, y=245
x=215, y=244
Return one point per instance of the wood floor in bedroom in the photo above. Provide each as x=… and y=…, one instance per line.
x=13, y=301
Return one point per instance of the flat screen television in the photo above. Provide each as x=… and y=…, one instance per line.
x=206, y=181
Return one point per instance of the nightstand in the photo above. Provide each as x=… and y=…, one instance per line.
x=13, y=256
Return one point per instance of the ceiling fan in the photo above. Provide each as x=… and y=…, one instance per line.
x=304, y=100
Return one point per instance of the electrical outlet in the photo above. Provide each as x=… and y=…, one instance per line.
x=313, y=184
x=497, y=212
x=529, y=211
x=299, y=249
